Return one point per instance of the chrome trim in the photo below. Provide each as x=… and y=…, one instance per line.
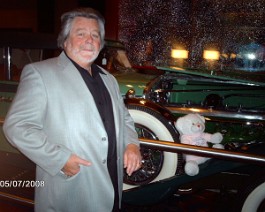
x=202, y=151
x=130, y=94
x=217, y=113
x=7, y=62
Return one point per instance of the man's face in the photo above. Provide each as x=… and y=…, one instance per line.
x=83, y=43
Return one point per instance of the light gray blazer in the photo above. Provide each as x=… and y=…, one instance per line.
x=54, y=115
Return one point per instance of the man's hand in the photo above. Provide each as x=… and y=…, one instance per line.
x=132, y=158
x=72, y=166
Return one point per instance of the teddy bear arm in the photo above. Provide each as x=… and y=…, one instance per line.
x=216, y=138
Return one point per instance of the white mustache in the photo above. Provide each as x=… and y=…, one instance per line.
x=88, y=47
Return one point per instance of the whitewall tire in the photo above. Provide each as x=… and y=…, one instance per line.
x=159, y=126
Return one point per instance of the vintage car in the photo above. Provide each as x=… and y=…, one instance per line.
x=232, y=101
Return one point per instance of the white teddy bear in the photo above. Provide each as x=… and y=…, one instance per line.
x=191, y=128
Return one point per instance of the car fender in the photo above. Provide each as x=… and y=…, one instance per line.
x=151, y=105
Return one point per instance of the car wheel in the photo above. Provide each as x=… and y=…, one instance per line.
x=252, y=198
x=156, y=164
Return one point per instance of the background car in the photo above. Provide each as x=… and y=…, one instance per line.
x=232, y=102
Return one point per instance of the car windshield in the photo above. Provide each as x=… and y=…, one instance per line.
x=113, y=57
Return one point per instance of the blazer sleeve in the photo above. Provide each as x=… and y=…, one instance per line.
x=24, y=127
x=131, y=137
x=130, y=134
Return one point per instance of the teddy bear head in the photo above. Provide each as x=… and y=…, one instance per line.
x=190, y=124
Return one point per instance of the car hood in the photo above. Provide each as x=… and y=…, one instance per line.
x=232, y=75
x=133, y=80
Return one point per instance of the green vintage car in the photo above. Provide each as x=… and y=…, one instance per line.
x=232, y=101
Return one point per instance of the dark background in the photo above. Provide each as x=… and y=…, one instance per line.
x=195, y=25
x=44, y=15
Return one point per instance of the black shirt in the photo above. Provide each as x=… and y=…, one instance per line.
x=103, y=102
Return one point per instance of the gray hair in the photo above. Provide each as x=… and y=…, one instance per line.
x=67, y=20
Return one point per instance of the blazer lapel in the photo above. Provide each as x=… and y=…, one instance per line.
x=78, y=84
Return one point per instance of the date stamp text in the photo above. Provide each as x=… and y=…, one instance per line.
x=21, y=183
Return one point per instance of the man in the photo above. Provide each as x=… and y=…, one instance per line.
x=68, y=117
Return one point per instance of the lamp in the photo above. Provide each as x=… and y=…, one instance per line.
x=211, y=57
x=179, y=55
x=211, y=54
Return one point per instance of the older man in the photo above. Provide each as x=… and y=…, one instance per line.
x=69, y=118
